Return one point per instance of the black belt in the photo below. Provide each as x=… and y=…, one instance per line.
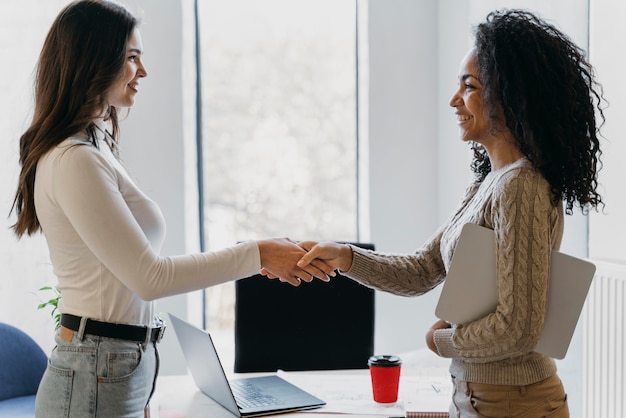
x=110, y=330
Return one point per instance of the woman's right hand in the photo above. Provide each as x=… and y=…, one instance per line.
x=338, y=256
x=278, y=261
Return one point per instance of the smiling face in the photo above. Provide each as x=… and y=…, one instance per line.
x=471, y=110
x=122, y=92
x=475, y=123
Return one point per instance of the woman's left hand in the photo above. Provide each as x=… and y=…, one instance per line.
x=430, y=335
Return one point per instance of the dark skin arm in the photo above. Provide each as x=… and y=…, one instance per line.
x=430, y=335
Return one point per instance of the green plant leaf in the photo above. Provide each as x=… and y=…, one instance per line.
x=53, y=303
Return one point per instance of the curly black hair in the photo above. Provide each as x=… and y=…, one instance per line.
x=547, y=90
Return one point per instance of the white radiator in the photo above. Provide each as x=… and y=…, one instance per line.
x=604, y=347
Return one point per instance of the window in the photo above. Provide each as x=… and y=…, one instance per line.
x=279, y=125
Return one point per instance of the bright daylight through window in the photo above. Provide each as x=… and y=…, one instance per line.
x=279, y=134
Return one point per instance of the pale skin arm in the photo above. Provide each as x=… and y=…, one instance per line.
x=279, y=257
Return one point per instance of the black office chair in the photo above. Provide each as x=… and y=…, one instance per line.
x=315, y=326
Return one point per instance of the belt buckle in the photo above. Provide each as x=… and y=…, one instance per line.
x=160, y=324
x=161, y=333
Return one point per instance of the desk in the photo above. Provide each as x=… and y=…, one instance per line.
x=178, y=397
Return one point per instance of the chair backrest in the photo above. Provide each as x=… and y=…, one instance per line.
x=316, y=326
x=23, y=363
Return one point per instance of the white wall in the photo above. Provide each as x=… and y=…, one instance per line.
x=607, y=32
x=403, y=153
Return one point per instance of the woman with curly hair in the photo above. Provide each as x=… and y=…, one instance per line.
x=526, y=103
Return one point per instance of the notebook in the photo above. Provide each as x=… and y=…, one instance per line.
x=470, y=289
x=245, y=397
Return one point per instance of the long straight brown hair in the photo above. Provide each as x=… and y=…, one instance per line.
x=82, y=56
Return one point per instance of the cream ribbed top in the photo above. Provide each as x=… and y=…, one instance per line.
x=104, y=236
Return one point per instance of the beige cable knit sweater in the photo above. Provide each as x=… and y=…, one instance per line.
x=514, y=201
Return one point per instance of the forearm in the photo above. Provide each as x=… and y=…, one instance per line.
x=407, y=275
x=153, y=277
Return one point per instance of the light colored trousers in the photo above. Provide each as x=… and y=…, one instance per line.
x=543, y=399
x=97, y=377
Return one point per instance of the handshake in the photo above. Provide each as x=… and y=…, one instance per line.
x=293, y=262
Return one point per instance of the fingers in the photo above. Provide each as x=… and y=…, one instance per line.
x=321, y=270
x=312, y=272
x=283, y=259
x=265, y=272
x=307, y=245
x=440, y=324
x=430, y=341
x=307, y=259
x=334, y=255
x=294, y=281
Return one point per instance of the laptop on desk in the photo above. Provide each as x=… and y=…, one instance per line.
x=245, y=397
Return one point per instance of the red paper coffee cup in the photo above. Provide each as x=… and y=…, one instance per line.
x=385, y=373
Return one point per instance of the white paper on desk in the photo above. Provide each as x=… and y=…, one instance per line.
x=352, y=393
x=343, y=393
x=431, y=394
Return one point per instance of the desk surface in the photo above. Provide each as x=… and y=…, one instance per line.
x=178, y=397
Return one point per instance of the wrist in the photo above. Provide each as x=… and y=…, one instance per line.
x=264, y=246
x=345, y=257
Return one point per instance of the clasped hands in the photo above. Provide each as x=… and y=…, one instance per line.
x=294, y=262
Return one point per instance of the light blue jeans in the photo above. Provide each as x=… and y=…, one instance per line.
x=97, y=377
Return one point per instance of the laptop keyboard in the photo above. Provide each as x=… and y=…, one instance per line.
x=248, y=395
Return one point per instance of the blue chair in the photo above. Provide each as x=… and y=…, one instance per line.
x=23, y=364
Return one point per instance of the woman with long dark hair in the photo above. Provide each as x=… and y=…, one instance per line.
x=104, y=234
